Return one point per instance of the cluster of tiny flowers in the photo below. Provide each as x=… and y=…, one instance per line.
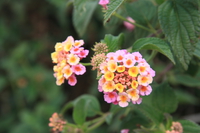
x=99, y=55
x=100, y=48
x=97, y=60
x=67, y=55
x=125, y=77
x=175, y=128
x=56, y=122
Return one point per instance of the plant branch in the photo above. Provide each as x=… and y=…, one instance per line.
x=136, y=24
x=66, y=107
x=153, y=54
x=160, y=76
x=86, y=64
x=97, y=122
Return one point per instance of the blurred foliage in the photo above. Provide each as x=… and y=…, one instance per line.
x=28, y=93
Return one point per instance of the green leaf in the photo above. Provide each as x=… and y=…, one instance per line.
x=164, y=98
x=142, y=11
x=189, y=127
x=66, y=107
x=83, y=10
x=2, y=83
x=153, y=44
x=186, y=98
x=197, y=50
x=187, y=80
x=169, y=120
x=113, y=42
x=109, y=118
x=159, y=1
x=150, y=112
x=58, y=3
x=91, y=103
x=112, y=7
x=179, y=20
x=79, y=112
x=147, y=131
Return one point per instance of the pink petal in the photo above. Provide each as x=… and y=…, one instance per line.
x=79, y=69
x=72, y=80
x=83, y=53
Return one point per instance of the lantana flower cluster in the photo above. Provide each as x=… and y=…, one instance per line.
x=175, y=128
x=56, y=122
x=125, y=78
x=67, y=57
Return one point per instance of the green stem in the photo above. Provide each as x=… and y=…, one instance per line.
x=136, y=24
x=66, y=107
x=151, y=27
x=98, y=121
x=86, y=64
x=153, y=54
x=93, y=121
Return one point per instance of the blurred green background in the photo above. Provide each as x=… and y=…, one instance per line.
x=29, y=30
x=28, y=93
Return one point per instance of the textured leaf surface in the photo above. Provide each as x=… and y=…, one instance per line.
x=190, y=127
x=197, y=50
x=150, y=112
x=164, y=98
x=113, y=42
x=83, y=10
x=112, y=7
x=179, y=21
x=153, y=44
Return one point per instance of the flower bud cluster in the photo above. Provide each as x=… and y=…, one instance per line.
x=99, y=55
x=125, y=77
x=56, y=122
x=175, y=128
x=67, y=55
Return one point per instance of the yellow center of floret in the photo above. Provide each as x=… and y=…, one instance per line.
x=109, y=76
x=120, y=69
x=134, y=84
x=133, y=71
x=119, y=87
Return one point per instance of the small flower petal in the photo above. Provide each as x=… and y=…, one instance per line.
x=144, y=80
x=109, y=86
x=83, y=53
x=73, y=59
x=123, y=99
x=133, y=71
x=67, y=71
x=78, y=43
x=72, y=80
x=79, y=69
x=68, y=43
x=133, y=94
x=110, y=97
x=145, y=90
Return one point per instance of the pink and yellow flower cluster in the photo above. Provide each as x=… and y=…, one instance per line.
x=56, y=122
x=175, y=128
x=67, y=55
x=125, y=77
